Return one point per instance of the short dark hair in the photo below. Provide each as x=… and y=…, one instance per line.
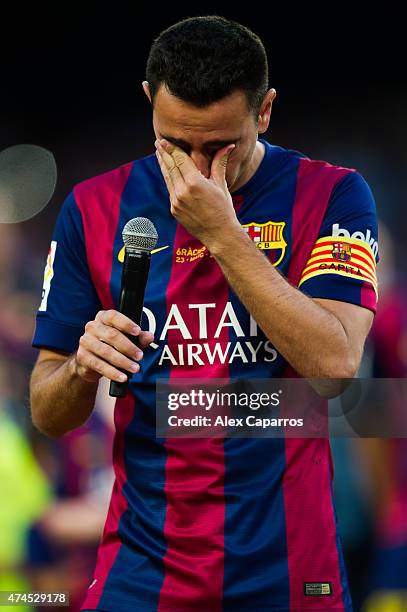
x=203, y=59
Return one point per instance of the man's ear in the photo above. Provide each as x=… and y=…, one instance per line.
x=146, y=88
x=265, y=111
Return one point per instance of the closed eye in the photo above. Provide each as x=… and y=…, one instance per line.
x=210, y=148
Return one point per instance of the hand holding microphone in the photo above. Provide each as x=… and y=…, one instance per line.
x=112, y=344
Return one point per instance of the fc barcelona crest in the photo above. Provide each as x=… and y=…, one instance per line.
x=341, y=251
x=268, y=236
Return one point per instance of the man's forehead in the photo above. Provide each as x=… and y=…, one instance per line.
x=217, y=121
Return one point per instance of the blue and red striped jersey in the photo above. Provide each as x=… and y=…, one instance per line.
x=212, y=524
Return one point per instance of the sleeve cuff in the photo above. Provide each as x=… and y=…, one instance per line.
x=342, y=290
x=56, y=335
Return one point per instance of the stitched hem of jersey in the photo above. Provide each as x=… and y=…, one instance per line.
x=56, y=334
x=323, y=296
x=110, y=605
x=41, y=319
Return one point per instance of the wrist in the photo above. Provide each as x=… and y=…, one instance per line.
x=72, y=366
x=77, y=372
x=226, y=240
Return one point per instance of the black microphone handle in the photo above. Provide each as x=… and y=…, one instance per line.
x=133, y=283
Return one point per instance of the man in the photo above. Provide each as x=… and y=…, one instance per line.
x=211, y=524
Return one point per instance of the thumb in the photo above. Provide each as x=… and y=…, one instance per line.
x=219, y=163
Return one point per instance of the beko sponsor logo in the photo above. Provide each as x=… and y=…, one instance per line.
x=367, y=237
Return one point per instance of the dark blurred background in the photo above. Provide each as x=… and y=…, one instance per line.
x=71, y=76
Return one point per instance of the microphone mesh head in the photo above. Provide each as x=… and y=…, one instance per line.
x=140, y=234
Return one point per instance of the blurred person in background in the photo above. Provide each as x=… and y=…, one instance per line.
x=386, y=458
x=24, y=494
x=24, y=489
x=54, y=497
x=63, y=542
x=371, y=473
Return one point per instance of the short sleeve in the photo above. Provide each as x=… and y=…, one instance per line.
x=69, y=299
x=342, y=264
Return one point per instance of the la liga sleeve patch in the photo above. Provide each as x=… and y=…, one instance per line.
x=346, y=257
x=48, y=276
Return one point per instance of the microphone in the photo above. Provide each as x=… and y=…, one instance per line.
x=140, y=238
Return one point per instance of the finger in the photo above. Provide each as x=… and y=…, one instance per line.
x=108, y=354
x=167, y=177
x=174, y=180
x=219, y=164
x=172, y=169
x=145, y=338
x=107, y=327
x=88, y=361
x=116, y=339
x=183, y=162
x=119, y=321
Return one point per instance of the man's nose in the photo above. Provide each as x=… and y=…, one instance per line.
x=202, y=162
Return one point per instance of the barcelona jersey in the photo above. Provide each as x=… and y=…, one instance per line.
x=212, y=524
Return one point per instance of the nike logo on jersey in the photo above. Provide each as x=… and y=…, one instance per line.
x=120, y=256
